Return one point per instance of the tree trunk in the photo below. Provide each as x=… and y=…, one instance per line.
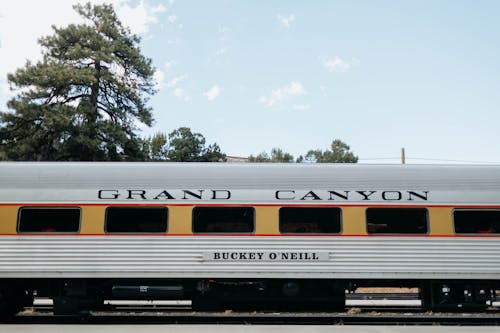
x=91, y=153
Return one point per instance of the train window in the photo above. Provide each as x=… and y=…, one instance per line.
x=136, y=220
x=396, y=220
x=49, y=219
x=223, y=219
x=310, y=220
x=476, y=221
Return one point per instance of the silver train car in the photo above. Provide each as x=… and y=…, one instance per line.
x=246, y=236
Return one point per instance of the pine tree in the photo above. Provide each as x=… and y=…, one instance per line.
x=85, y=98
x=277, y=156
x=186, y=146
x=182, y=145
x=339, y=153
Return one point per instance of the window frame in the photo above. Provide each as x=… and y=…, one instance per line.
x=254, y=221
x=476, y=234
x=398, y=234
x=77, y=232
x=105, y=226
x=341, y=221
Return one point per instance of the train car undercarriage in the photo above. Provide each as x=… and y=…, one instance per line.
x=80, y=296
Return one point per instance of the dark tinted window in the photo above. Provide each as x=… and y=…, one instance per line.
x=136, y=219
x=310, y=220
x=396, y=220
x=477, y=221
x=41, y=219
x=223, y=219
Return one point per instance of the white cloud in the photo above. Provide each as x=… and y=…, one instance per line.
x=168, y=65
x=286, y=20
x=220, y=52
x=172, y=19
x=5, y=94
x=336, y=64
x=181, y=94
x=178, y=92
x=159, y=79
x=5, y=89
x=301, y=107
x=212, y=93
x=175, y=81
x=172, y=85
x=18, y=39
x=158, y=9
x=140, y=17
x=284, y=93
x=140, y=125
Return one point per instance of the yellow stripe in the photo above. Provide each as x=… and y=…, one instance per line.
x=353, y=219
x=8, y=219
x=179, y=220
x=266, y=220
x=92, y=220
x=441, y=221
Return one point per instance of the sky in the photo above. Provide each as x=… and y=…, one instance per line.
x=253, y=75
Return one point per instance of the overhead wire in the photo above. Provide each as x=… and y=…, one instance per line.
x=429, y=159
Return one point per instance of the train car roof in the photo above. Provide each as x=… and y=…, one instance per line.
x=247, y=176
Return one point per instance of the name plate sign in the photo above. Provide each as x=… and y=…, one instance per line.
x=288, y=256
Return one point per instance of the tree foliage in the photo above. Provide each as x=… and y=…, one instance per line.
x=156, y=146
x=85, y=98
x=339, y=153
x=182, y=145
x=277, y=156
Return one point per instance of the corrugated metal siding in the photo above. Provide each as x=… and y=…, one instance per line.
x=51, y=175
x=176, y=257
x=25, y=183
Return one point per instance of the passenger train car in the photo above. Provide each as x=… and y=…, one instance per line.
x=246, y=236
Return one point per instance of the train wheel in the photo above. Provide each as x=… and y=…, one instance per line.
x=3, y=306
x=425, y=295
x=456, y=296
x=9, y=306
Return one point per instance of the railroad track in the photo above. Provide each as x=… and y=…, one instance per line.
x=257, y=318
x=180, y=312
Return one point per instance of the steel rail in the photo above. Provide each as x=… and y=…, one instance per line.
x=257, y=318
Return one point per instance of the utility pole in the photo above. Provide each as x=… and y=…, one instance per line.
x=403, y=158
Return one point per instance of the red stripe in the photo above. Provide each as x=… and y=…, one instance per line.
x=254, y=235
x=246, y=205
